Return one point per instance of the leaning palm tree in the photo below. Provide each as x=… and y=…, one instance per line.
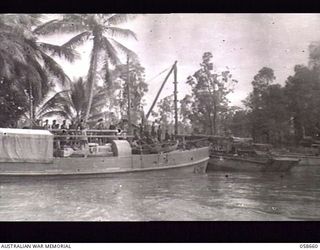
x=100, y=28
x=27, y=63
x=72, y=104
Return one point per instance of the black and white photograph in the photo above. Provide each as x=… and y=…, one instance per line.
x=159, y=117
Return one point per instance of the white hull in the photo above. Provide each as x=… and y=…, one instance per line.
x=194, y=160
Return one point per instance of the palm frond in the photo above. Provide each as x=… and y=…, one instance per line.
x=54, y=113
x=99, y=99
x=29, y=20
x=31, y=75
x=77, y=40
x=78, y=95
x=105, y=17
x=80, y=18
x=124, y=49
x=26, y=21
x=41, y=27
x=59, y=26
x=38, y=78
x=13, y=42
x=53, y=102
x=96, y=116
x=61, y=51
x=119, y=18
x=70, y=111
x=83, y=19
x=12, y=53
x=98, y=104
x=119, y=32
x=54, y=68
x=111, y=52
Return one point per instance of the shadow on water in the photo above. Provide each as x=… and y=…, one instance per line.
x=162, y=196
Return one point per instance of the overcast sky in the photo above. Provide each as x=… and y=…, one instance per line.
x=242, y=42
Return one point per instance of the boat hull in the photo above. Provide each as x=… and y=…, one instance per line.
x=194, y=160
x=234, y=163
x=306, y=160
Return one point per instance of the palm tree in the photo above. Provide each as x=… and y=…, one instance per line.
x=100, y=28
x=72, y=104
x=27, y=63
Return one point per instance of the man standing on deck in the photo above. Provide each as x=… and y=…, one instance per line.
x=46, y=124
x=84, y=139
x=159, y=133
x=72, y=139
x=63, y=125
x=55, y=125
x=100, y=124
x=72, y=125
x=153, y=129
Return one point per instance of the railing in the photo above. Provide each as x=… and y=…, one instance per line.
x=71, y=137
x=87, y=130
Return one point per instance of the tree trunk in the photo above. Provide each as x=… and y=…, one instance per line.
x=215, y=120
x=92, y=75
x=211, y=124
x=214, y=123
x=298, y=130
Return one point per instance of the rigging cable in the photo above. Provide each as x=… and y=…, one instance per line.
x=158, y=75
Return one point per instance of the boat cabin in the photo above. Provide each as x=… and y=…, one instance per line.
x=25, y=145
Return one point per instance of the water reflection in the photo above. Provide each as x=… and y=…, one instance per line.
x=159, y=196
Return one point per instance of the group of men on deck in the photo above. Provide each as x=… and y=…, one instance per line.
x=151, y=135
x=75, y=133
x=74, y=126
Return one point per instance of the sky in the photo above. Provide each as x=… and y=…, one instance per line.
x=242, y=42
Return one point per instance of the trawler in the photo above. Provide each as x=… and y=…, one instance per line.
x=29, y=152
x=36, y=152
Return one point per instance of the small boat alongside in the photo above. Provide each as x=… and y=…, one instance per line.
x=240, y=154
x=305, y=159
x=308, y=155
x=29, y=152
x=239, y=163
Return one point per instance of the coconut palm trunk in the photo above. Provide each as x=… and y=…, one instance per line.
x=92, y=76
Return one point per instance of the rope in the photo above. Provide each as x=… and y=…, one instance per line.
x=158, y=75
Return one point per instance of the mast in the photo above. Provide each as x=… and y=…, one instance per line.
x=128, y=92
x=165, y=80
x=175, y=99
